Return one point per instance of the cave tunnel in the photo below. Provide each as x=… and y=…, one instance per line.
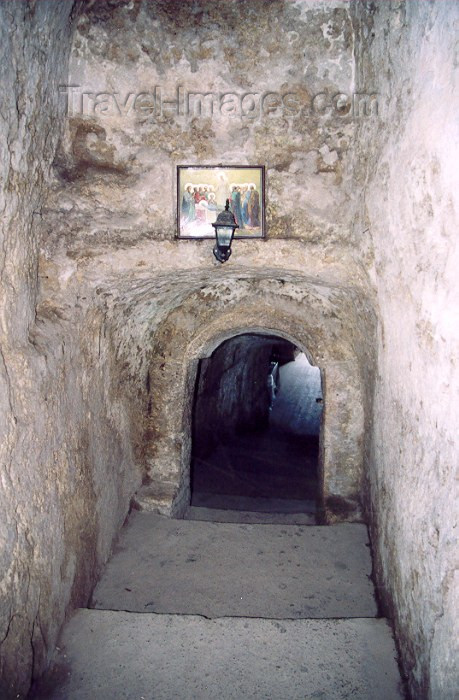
x=256, y=428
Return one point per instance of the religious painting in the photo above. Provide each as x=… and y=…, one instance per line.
x=202, y=192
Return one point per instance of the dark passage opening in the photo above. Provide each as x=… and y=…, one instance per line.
x=256, y=424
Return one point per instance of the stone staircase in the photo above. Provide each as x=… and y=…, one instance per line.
x=195, y=609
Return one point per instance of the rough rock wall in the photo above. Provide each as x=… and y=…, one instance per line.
x=411, y=206
x=58, y=414
x=299, y=401
x=231, y=392
x=256, y=82
x=85, y=365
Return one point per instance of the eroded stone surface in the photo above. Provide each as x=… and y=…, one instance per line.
x=412, y=207
x=64, y=460
x=35, y=448
x=280, y=65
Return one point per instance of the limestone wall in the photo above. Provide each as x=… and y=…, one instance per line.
x=257, y=83
x=411, y=206
x=63, y=456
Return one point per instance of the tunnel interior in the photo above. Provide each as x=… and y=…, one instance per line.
x=256, y=427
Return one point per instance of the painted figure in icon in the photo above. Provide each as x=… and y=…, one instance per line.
x=236, y=205
x=253, y=207
x=188, y=203
x=245, y=196
x=212, y=202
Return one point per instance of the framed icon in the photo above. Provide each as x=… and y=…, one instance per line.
x=202, y=191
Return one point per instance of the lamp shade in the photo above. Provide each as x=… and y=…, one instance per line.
x=224, y=226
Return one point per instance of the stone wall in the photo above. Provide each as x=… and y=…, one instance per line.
x=63, y=449
x=298, y=405
x=281, y=66
x=29, y=129
x=411, y=206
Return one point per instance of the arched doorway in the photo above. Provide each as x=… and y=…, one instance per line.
x=255, y=427
x=193, y=331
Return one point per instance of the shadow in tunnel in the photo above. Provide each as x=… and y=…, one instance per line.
x=256, y=425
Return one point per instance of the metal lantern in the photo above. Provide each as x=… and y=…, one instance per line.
x=225, y=227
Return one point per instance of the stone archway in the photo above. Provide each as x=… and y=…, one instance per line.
x=206, y=319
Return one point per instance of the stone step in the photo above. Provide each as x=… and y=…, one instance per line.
x=220, y=515
x=280, y=506
x=106, y=655
x=223, y=569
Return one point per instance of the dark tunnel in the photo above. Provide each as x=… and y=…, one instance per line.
x=256, y=427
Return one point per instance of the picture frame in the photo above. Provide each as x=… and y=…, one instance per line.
x=202, y=191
